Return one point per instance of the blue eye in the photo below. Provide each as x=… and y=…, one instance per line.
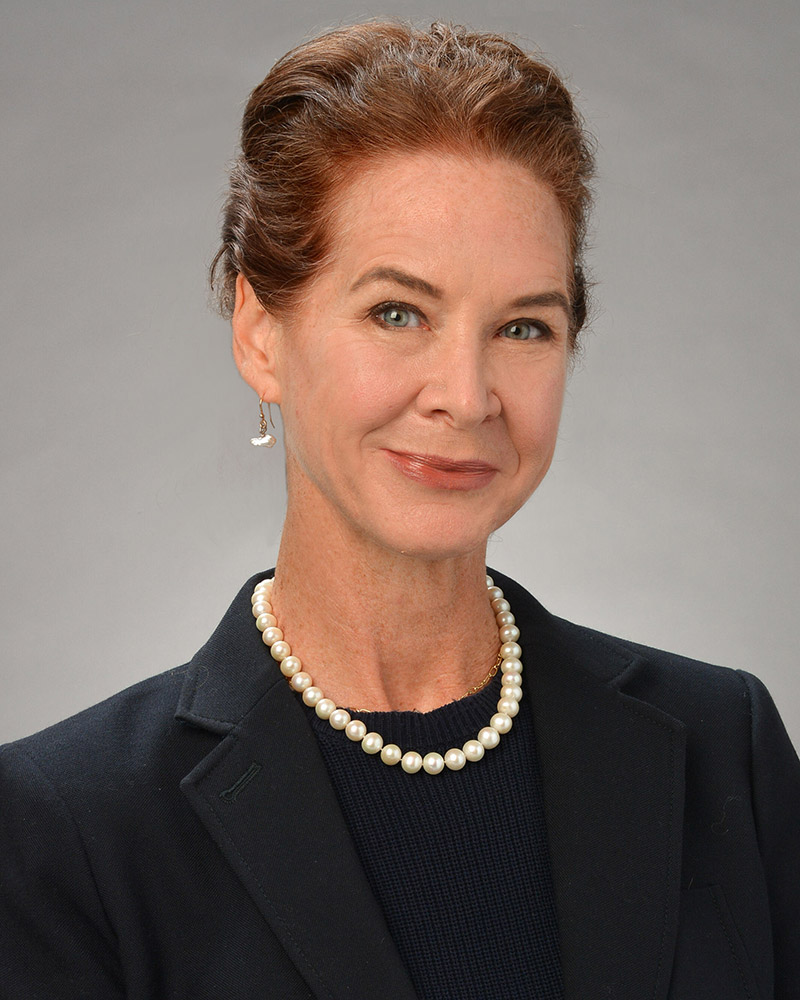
x=522, y=329
x=396, y=315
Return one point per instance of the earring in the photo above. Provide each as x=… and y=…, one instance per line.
x=264, y=439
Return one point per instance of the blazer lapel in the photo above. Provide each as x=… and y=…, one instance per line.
x=265, y=797
x=613, y=777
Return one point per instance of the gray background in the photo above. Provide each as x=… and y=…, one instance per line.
x=133, y=505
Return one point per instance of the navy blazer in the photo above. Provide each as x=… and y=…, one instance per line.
x=183, y=840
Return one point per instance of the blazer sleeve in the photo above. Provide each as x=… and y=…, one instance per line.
x=776, y=801
x=55, y=939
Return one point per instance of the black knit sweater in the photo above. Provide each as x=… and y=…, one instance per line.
x=458, y=861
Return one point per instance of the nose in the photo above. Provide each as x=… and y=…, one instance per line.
x=458, y=384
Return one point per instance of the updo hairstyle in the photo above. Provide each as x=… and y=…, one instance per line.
x=362, y=93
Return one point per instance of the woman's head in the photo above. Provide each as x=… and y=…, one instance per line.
x=421, y=373
x=371, y=92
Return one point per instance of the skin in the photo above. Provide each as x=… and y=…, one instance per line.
x=380, y=576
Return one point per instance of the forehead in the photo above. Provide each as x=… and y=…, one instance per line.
x=484, y=218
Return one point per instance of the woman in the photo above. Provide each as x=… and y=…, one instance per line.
x=401, y=261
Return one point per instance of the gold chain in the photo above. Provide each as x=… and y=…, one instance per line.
x=492, y=673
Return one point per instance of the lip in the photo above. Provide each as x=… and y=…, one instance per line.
x=442, y=473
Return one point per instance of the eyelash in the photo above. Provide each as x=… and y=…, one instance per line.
x=383, y=307
x=545, y=331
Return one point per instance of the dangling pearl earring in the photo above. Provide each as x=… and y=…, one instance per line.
x=265, y=439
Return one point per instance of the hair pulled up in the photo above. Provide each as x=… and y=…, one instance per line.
x=369, y=91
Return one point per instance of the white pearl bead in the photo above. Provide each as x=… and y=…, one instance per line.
x=312, y=695
x=355, y=730
x=500, y=605
x=411, y=762
x=489, y=581
x=504, y=618
x=301, y=681
x=372, y=743
x=495, y=593
x=265, y=621
x=508, y=706
x=272, y=634
x=433, y=763
x=280, y=650
x=489, y=737
x=510, y=649
x=509, y=633
x=339, y=718
x=501, y=722
x=262, y=608
x=511, y=693
x=511, y=663
x=455, y=759
x=324, y=707
x=263, y=585
x=510, y=679
x=391, y=754
x=474, y=750
x=290, y=665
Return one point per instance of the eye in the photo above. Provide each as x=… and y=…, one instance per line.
x=397, y=315
x=526, y=329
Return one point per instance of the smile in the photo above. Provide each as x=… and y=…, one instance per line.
x=442, y=473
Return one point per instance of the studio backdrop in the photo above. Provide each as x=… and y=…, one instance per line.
x=133, y=505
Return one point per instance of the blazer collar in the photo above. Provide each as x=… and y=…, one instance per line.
x=612, y=769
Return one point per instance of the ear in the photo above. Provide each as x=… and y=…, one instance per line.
x=254, y=335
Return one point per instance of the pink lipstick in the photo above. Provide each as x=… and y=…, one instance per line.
x=442, y=473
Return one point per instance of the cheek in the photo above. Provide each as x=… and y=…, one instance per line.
x=369, y=389
x=537, y=414
x=344, y=392
x=553, y=403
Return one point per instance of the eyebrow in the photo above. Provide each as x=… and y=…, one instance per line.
x=415, y=284
x=543, y=299
x=399, y=278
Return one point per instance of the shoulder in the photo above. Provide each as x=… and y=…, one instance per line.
x=121, y=720
x=706, y=697
x=94, y=800
x=100, y=754
x=667, y=679
x=89, y=806
x=720, y=705
x=145, y=738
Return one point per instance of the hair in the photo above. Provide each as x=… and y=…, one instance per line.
x=363, y=93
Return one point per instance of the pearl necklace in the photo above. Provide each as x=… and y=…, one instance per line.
x=372, y=743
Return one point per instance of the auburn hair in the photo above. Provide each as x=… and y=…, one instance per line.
x=369, y=91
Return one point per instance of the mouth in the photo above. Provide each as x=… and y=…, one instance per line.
x=443, y=473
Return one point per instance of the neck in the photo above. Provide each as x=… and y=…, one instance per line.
x=378, y=630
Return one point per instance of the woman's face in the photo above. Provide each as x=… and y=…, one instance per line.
x=421, y=378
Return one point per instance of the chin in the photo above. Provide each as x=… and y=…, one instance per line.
x=448, y=528
x=437, y=541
